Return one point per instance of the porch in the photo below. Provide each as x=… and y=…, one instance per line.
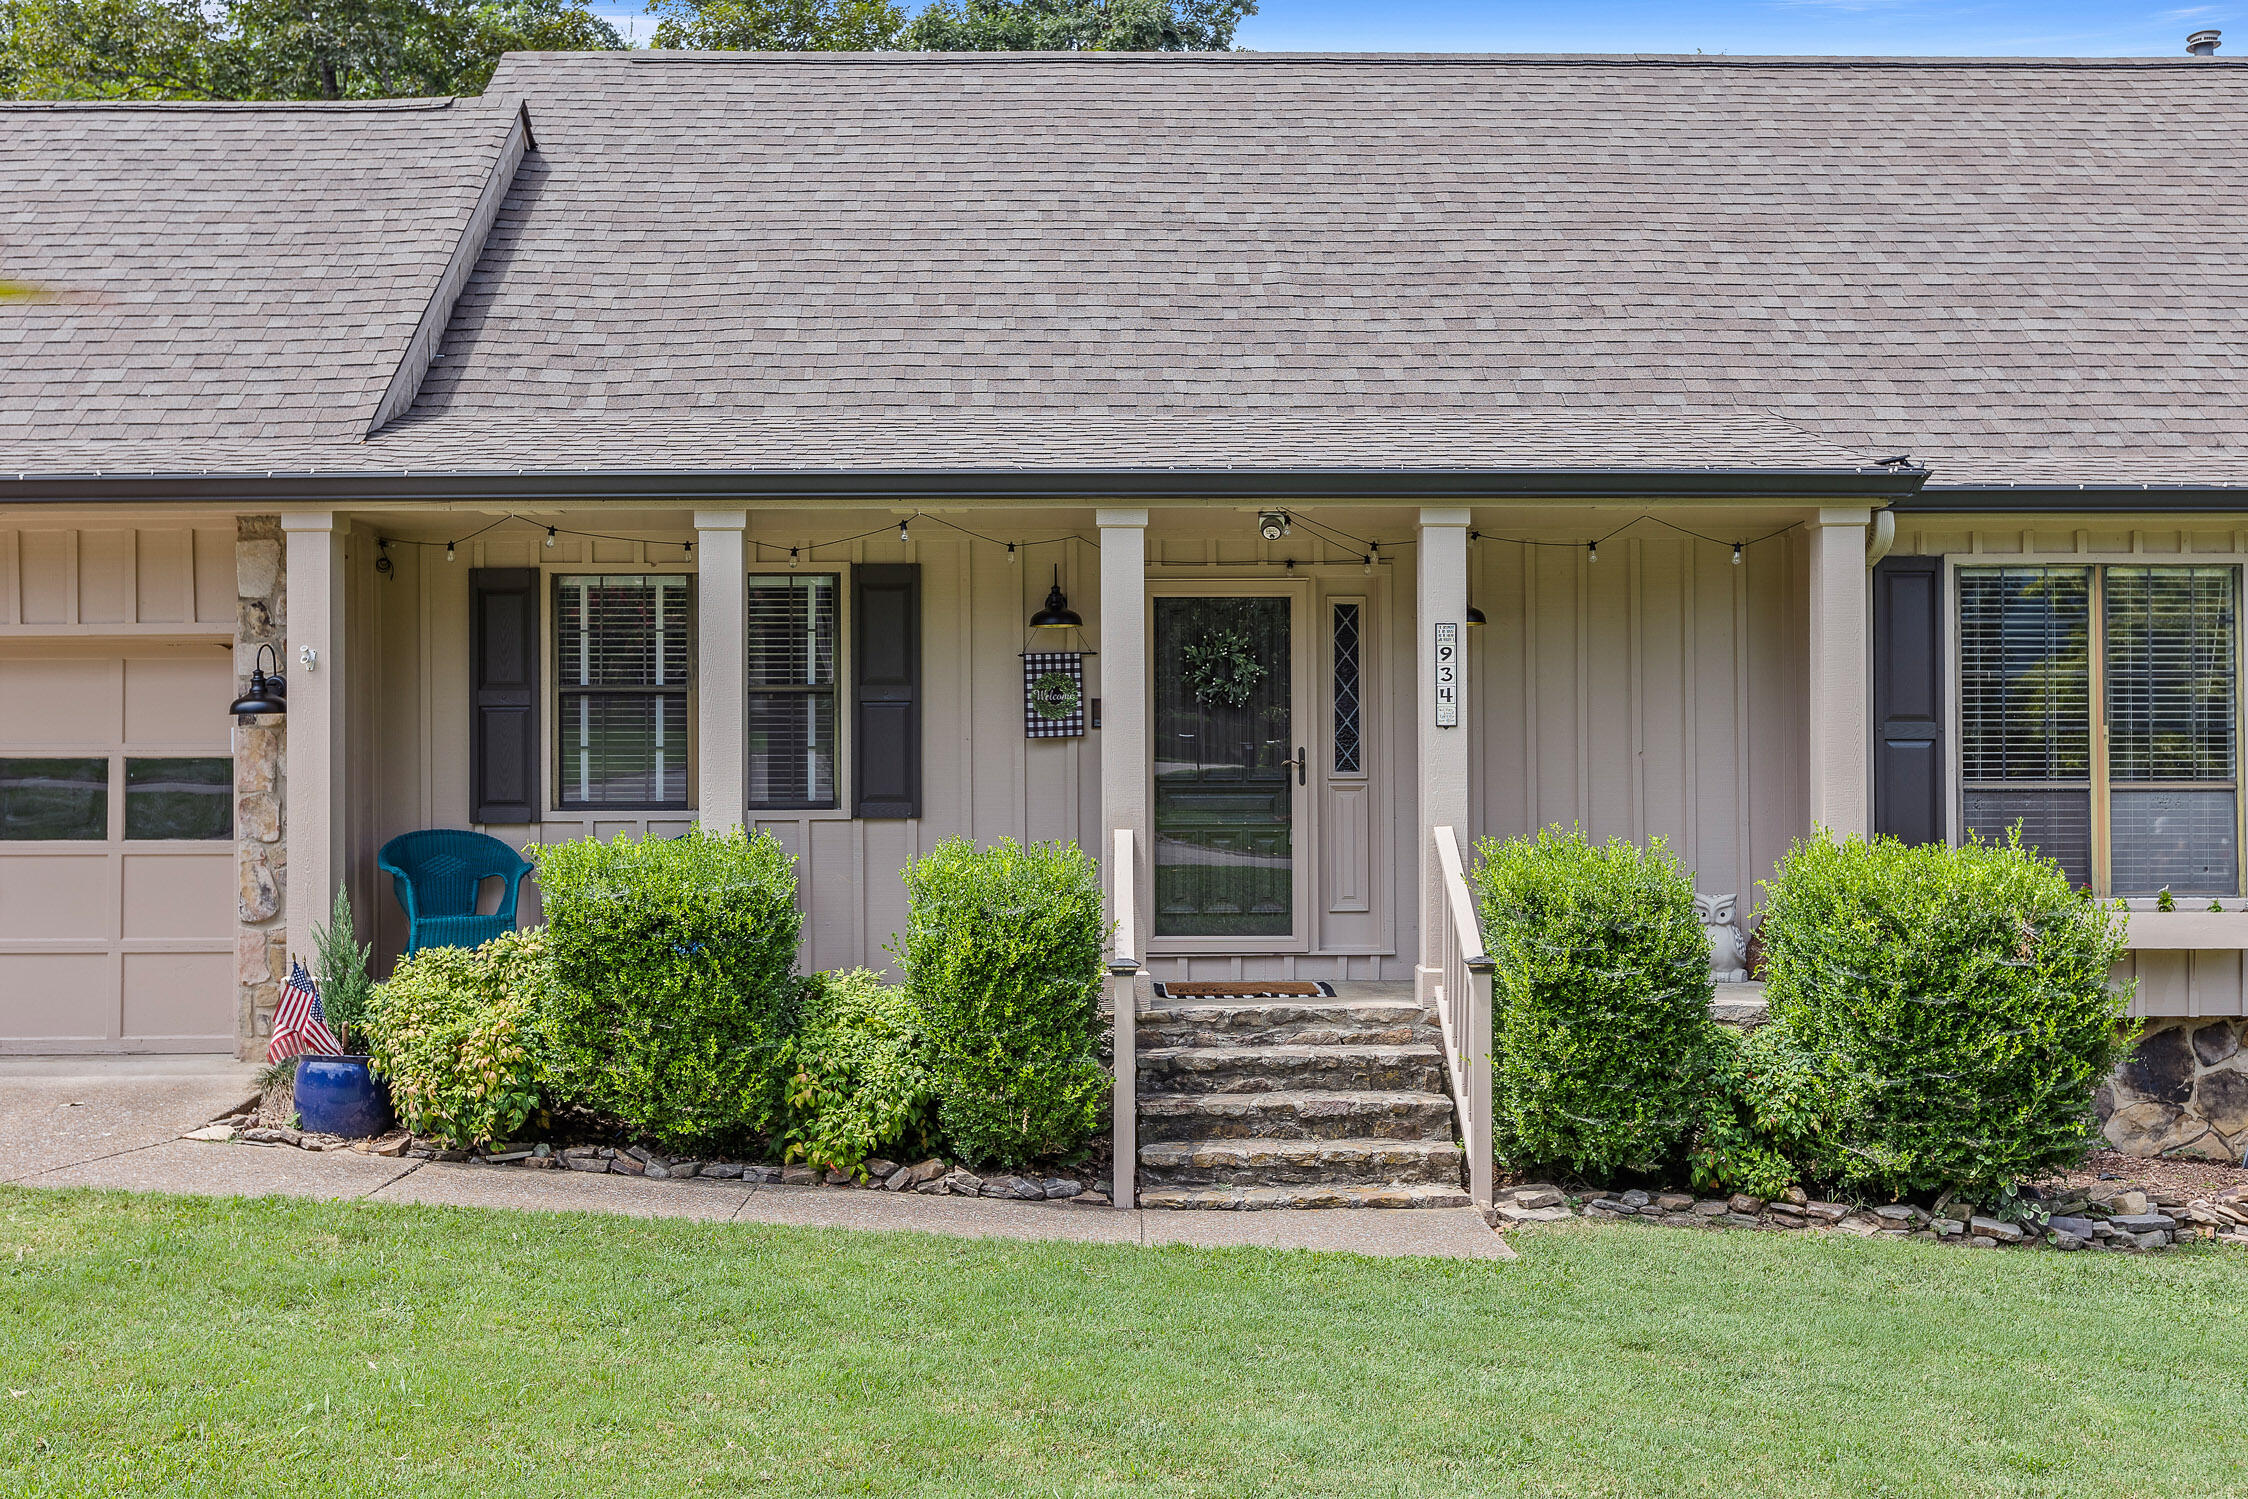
x=1655, y=686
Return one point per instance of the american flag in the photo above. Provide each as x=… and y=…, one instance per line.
x=299, y=1024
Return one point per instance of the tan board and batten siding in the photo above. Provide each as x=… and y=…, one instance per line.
x=116, y=641
x=980, y=775
x=2171, y=982
x=1618, y=694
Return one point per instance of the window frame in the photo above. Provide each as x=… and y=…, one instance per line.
x=559, y=800
x=836, y=691
x=2100, y=781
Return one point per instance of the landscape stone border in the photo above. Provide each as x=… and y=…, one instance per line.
x=2111, y=1218
x=933, y=1177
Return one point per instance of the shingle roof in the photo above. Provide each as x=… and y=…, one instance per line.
x=2017, y=271
x=223, y=270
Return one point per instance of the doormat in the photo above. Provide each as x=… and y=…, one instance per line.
x=1282, y=989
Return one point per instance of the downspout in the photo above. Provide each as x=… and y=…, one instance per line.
x=1880, y=536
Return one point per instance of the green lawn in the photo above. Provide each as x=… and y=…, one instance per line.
x=177, y=1345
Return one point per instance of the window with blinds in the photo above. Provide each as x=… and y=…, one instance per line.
x=621, y=667
x=2141, y=796
x=2172, y=716
x=792, y=626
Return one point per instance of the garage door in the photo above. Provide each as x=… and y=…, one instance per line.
x=116, y=847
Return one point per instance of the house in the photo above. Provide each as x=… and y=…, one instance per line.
x=1717, y=448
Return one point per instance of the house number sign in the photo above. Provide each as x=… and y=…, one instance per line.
x=1446, y=665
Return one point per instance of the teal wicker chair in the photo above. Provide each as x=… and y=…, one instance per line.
x=437, y=873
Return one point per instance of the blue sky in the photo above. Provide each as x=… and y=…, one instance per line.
x=2031, y=27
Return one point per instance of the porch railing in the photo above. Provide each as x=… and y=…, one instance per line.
x=1463, y=1008
x=1123, y=994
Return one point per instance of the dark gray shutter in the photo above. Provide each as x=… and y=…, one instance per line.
x=1908, y=698
x=503, y=717
x=886, y=688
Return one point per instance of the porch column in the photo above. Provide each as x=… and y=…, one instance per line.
x=722, y=714
x=313, y=662
x=1124, y=702
x=1443, y=752
x=1841, y=678
x=1125, y=771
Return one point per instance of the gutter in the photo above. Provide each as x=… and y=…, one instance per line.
x=1960, y=499
x=1865, y=485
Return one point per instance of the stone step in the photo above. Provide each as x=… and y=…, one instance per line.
x=1264, y=1014
x=1285, y=1114
x=1157, y=1034
x=1251, y=1199
x=1259, y=1069
x=1296, y=1163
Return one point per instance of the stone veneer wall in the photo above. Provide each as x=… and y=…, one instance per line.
x=261, y=939
x=2183, y=1091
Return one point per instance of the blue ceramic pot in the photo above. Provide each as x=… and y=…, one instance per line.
x=339, y=1096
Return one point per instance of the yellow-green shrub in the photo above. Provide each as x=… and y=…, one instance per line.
x=450, y=1029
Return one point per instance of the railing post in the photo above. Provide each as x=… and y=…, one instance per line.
x=1476, y=1043
x=1123, y=993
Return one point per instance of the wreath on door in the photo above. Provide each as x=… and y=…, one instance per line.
x=1220, y=667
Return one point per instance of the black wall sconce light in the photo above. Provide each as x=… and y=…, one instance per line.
x=267, y=694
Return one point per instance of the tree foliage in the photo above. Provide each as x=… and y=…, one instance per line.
x=1077, y=25
x=278, y=49
x=777, y=25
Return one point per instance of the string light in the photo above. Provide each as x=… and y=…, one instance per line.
x=448, y=551
x=792, y=559
x=1592, y=551
x=902, y=537
x=550, y=537
x=1736, y=554
x=1373, y=551
x=1011, y=557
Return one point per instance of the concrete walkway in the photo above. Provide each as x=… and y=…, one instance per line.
x=115, y=1123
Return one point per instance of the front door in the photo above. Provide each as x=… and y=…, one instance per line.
x=1229, y=772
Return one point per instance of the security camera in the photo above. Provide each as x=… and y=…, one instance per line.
x=1273, y=524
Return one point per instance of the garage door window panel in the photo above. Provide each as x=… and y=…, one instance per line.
x=60, y=799
x=179, y=797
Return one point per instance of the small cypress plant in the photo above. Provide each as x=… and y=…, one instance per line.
x=339, y=965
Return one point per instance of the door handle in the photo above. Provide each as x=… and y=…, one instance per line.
x=1301, y=764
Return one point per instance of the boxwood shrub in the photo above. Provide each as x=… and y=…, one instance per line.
x=1002, y=957
x=451, y=1031
x=858, y=1081
x=1949, y=1008
x=674, y=981
x=1600, y=1021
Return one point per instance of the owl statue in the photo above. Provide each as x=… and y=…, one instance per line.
x=1728, y=950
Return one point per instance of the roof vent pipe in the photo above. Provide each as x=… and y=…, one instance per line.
x=2203, y=43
